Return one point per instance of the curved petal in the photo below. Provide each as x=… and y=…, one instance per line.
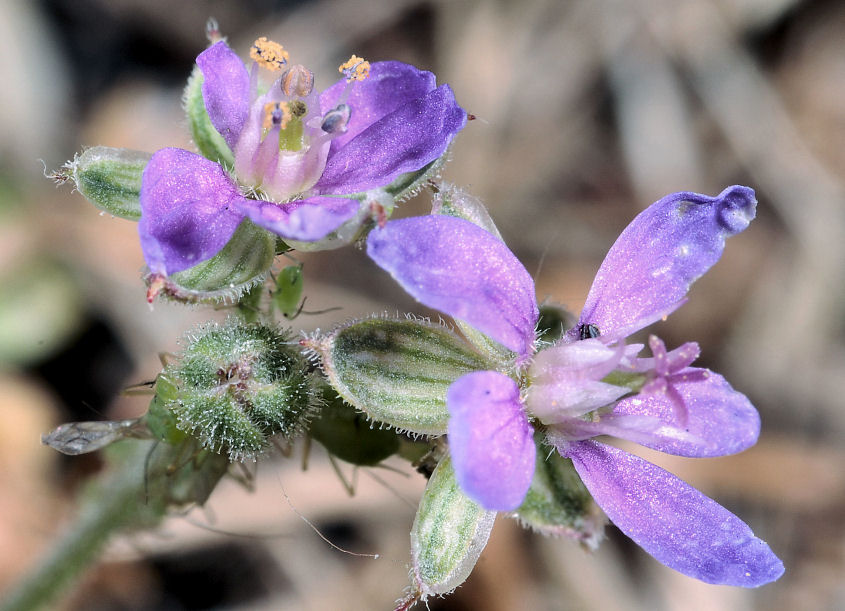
x=306, y=220
x=225, y=90
x=667, y=247
x=671, y=520
x=455, y=266
x=405, y=140
x=720, y=420
x=490, y=440
x=389, y=86
x=557, y=403
x=188, y=210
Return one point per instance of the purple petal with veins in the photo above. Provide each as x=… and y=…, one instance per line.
x=648, y=271
x=405, y=140
x=719, y=420
x=390, y=85
x=490, y=440
x=671, y=520
x=225, y=90
x=462, y=270
x=189, y=210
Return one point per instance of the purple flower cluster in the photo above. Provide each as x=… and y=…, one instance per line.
x=591, y=382
x=299, y=156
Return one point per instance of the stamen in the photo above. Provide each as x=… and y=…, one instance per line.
x=297, y=81
x=355, y=69
x=269, y=54
x=336, y=120
x=276, y=114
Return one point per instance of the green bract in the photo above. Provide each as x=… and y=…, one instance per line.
x=397, y=371
x=110, y=178
x=233, y=388
x=558, y=503
x=449, y=533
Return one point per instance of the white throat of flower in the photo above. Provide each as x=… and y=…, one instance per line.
x=282, y=150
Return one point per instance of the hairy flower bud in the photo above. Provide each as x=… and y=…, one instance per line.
x=109, y=178
x=396, y=371
x=234, y=387
x=449, y=533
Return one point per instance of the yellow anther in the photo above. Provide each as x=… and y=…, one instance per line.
x=355, y=68
x=276, y=113
x=269, y=54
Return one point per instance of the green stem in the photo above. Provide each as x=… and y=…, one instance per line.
x=116, y=502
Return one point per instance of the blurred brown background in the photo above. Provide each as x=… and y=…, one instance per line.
x=587, y=112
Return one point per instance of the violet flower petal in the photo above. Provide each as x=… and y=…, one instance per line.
x=671, y=520
x=654, y=261
x=403, y=141
x=225, y=90
x=458, y=268
x=720, y=420
x=490, y=439
x=188, y=210
x=306, y=220
x=390, y=85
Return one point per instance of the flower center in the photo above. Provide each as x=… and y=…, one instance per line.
x=283, y=148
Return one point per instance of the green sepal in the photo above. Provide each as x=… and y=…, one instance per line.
x=409, y=184
x=208, y=140
x=449, y=533
x=558, y=503
x=110, y=178
x=633, y=381
x=347, y=433
x=454, y=201
x=243, y=263
x=554, y=321
x=397, y=371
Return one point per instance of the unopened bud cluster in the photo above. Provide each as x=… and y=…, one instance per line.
x=236, y=386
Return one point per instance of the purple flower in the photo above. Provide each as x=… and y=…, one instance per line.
x=298, y=155
x=591, y=383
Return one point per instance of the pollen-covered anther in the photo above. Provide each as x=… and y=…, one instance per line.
x=269, y=54
x=336, y=120
x=276, y=114
x=355, y=68
x=297, y=81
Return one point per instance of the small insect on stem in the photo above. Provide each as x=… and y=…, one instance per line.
x=287, y=297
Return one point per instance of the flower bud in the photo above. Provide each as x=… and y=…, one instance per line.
x=449, y=533
x=109, y=178
x=558, y=503
x=396, y=371
x=234, y=387
x=208, y=140
x=239, y=266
